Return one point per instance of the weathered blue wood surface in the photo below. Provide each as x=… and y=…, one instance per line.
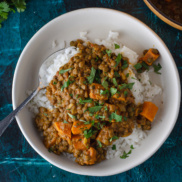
x=18, y=161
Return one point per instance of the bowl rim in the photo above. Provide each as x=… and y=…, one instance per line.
x=162, y=15
x=14, y=103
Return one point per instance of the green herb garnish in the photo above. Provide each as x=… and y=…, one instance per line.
x=66, y=84
x=71, y=95
x=108, y=52
x=125, y=118
x=92, y=75
x=104, y=92
x=113, y=91
x=125, y=93
x=116, y=46
x=65, y=121
x=105, y=83
x=124, y=85
x=64, y=71
x=81, y=101
x=118, y=59
x=157, y=68
x=114, y=147
x=105, y=108
x=88, y=133
x=115, y=82
x=125, y=155
x=72, y=116
x=116, y=74
x=100, y=144
x=95, y=109
x=127, y=75
x=137, y=66
x=113, y=138
x=54, y=83
x=115, y=116
x=145, y=65
x=125, y=64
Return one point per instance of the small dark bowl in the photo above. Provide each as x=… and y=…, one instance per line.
x=163, y=16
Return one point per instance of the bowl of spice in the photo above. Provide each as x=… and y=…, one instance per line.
x=169, y=11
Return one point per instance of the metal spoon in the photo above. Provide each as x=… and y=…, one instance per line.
x=6, y=121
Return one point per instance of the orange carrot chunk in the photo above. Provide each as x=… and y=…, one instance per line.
x=149, y=110
x=150, y=56
x=95, y=92
x=78, y=127
x=80, y=143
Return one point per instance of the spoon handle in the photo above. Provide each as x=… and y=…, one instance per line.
x=7, y=120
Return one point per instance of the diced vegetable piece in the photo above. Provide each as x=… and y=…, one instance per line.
x=64, y=130
x=119, y=97
x=95, y=92
x=78, y=127
x=104, y=135
x=149, y=110
x=150, y=56
x=80, y=143
x=93, y=156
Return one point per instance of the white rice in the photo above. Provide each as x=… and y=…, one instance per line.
x=142, y=90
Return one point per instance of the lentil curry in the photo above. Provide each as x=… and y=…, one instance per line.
x=93, y=103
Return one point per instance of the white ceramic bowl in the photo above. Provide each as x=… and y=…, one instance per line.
x=98, y=22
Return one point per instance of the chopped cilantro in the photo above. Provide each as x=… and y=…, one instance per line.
x=108, y=52
x=97, y=58
x=105, y=83
x=137, y=66
x=88, y=133
x=114, y=147
x=157, y=68
x=90, y=114
x=113, y=91
x=95, y=109
x=84, y=82
x=125, y=155
x=116, y=46
x=115, y=116
x=99, y=117
x=127, y=75
x=64, y=71
x=54, y=83
x=115, y=82
x=105, y=108
x=124, y=85
x=81, y=101
x=125, y=64
x=116, y=74
x=131, y=147
x=103, y=92
x=72, y=116
x=125, y=93
x=100, y=144
x=113, y=138
x=125, y=118
x=92, y=75
x=65, y=121
x=45, y=114
x=118, y=59
x=66, y=84
x=145, y=65
x=71, y=95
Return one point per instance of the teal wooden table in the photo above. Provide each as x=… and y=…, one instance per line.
x=18, y=161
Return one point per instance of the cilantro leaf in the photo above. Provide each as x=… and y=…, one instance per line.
x=124, y=85
x=100, y=144
x=65, y=121
x=118, y=59
x=145, y=65
x=115, y=82
x=116, y=46
x=125, y=93
x=88, y=133
x=108, y=52
x=20, y=5
x=95, y=109
x=103, y=92
x=116, y=74
x=113, y=138
x=64, y=71
x=116, y=117
x=125, y=155
x=125, y=64
x=72, y=116
x=105, y=83
x=81, y=101
x=113, y=91
x=157, y=68
x=66, y=84
x=137, y=66
x=92, y=75
x=131, y=147
x=114, y=147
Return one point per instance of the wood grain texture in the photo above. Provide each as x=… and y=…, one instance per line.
x=18, y=161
